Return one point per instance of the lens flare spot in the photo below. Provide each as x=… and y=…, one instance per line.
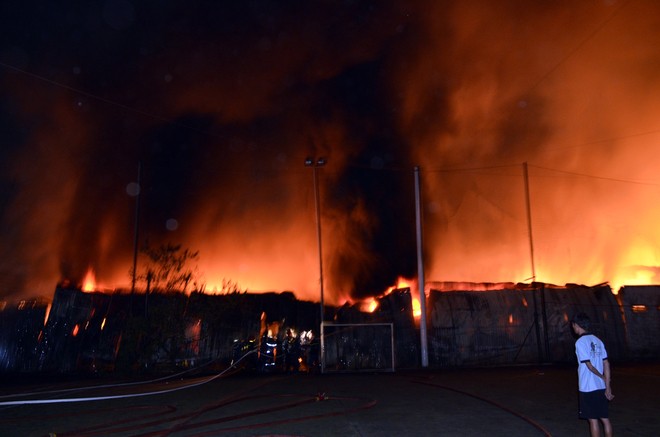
x=133, y=189
x=172, y=224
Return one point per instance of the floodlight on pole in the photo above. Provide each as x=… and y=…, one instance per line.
x=315, y=164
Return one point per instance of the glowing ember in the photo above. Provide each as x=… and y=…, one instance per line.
x=50, y=305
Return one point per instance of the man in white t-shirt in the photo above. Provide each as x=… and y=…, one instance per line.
x=593, y=377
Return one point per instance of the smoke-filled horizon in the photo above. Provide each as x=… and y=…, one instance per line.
x=220, y=104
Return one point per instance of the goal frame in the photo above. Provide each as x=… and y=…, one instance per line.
x=325, y=343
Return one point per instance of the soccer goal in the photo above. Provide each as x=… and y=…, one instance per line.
x=357, y=347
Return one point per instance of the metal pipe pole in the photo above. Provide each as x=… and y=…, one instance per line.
x=315, y=164
x=136, y=229
x=420, y=271
x=529, y=220
x=318, y=236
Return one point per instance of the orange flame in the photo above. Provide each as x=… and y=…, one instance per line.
x=412, y=284
x=369, y=305
x=417, y=308
x=89, y=283
x=401, y=282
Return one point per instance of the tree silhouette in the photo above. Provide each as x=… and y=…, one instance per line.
x=168, y=268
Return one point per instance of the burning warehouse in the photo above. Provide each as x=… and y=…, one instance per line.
x=222, y=114
x=21, y=330
x=470, y=324
x=97, y=331
x=200, y=135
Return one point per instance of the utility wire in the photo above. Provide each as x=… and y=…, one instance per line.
x=105, y=100
x=581, y=44
x=584, y=175
x=541, y=79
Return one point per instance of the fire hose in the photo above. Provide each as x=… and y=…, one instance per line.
x=184, y=421
x=122, y=396
x=489, y=401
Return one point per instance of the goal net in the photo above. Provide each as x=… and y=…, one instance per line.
x=357, y=347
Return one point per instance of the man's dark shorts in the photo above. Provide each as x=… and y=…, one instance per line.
x=593, y=405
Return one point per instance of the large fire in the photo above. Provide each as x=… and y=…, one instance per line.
x=371, y=304
x=466, y=91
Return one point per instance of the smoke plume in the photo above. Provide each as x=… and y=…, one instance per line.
x=218, y=105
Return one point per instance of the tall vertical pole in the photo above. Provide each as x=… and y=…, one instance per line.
x=315, y=164
x=529, y=220
x=136, y=229
x=420, y=271
x=531, y=254
x=318, y=236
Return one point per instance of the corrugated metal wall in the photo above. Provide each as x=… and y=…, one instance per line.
x=641, y=308
x=504, y=324
x=521, y=325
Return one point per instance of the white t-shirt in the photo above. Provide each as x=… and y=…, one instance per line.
x=589, y=348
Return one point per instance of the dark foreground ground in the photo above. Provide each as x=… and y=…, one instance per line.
x=523, y=401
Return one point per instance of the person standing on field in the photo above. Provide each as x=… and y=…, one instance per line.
x=594, y=387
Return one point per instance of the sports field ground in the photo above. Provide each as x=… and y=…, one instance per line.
x=518, y=401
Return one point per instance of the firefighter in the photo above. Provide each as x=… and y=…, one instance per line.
x=291, y=348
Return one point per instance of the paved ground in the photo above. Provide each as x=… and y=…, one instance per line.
x=524, y=401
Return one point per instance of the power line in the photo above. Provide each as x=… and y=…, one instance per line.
x=104, y=99
x=471, y=169
x=606, y=140
x=584, y=175
x=581, y=44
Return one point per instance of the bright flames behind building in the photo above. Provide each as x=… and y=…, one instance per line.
x=466, y=91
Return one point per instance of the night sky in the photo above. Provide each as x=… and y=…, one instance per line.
x=219, y=104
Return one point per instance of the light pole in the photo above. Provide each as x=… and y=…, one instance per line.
x=315, y=164
x=133, y=189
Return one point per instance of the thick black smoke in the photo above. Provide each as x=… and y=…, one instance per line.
x=219, y=103
x=214, y=102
